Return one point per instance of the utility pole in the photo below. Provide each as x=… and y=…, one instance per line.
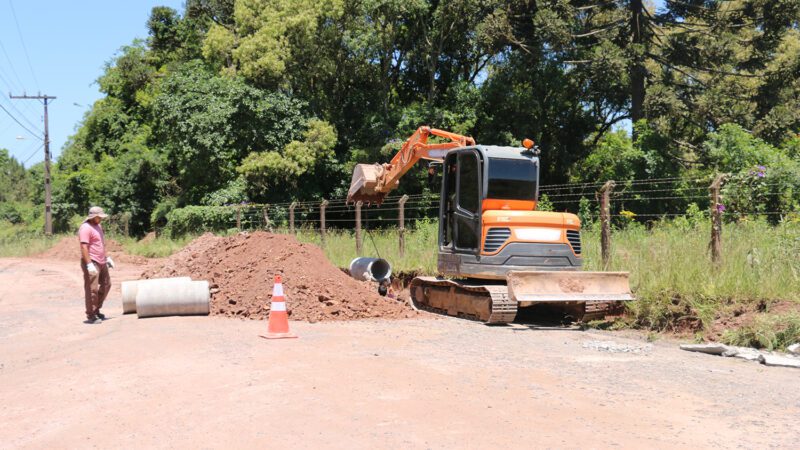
x=48, y=214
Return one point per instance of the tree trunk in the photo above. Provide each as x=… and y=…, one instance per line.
x=637, y=67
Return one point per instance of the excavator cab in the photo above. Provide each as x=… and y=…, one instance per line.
x=488, y=223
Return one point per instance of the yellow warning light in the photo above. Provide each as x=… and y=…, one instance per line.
x=527, y=143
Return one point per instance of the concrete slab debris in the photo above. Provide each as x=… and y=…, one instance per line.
x=746, y=353
x=779, y=361
x=794, y=349
x=711, y=349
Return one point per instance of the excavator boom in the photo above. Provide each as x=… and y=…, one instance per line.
x=372, y=182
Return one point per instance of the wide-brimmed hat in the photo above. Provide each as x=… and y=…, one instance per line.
x=95, y=211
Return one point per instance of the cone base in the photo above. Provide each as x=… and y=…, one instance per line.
x=278, y=336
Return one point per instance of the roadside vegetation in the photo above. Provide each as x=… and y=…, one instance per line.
x=17, y=243
x=153, y=246
x=253, y=102
x=677, y=287
x=420, y=248
x=769, y=331
x=272, y=101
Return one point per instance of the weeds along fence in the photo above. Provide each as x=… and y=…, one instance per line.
x=601, y=206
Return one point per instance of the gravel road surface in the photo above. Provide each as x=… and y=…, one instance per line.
x=211, y=382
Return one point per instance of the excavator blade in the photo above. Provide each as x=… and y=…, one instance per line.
x=363, y=184
x=568, y=286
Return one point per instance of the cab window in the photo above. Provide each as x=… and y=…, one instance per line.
x=468, y=182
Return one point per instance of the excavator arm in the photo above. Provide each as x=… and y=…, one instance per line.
x=372, y=182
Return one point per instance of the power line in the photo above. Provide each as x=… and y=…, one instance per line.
x=3, y=78
x=24, y=47
x=19, y=123
x=16, y=75
x=6, y=128
x=22, y=115
x=34, y=152
x=19, y=86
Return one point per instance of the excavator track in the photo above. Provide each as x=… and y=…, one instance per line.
x=600, y=310
x=489, y=303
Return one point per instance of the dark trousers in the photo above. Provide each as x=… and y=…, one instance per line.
x=95, y=288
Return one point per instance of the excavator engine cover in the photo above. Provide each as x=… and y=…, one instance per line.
x=363, y=184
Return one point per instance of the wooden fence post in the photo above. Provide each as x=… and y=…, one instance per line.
x=291, y=217
x=239, y=217
x=127, y=217
x=401, y=225
x=716, y=219
x=322, y=207
x=265, y=211
x=359, y=243
x=605, y=222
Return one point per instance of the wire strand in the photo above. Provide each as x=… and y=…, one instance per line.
x=24, y=47
x=19, y=123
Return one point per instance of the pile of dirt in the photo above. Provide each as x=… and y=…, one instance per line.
x=68, y=248
x=240, y=270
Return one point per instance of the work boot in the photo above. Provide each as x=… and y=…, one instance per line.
x=101, y=315
x=93, y=320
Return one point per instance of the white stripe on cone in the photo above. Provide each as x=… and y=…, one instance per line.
x=278, y=306
x=277, y=291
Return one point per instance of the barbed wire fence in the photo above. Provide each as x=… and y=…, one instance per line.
x=655, y=199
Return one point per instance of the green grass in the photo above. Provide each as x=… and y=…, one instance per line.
x=420, y=254
x=19, y=241
x=158, y=247
x=26, y=245
x=773, y=332
x=677, y=285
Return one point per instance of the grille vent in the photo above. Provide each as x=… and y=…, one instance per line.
x=495, y=238
x=574, y=238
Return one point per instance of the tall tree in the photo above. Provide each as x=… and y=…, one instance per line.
x=13, y=179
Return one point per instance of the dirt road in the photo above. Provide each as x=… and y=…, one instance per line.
x=203, y=382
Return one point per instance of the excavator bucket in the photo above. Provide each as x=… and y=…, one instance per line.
x=568, y=286
x=363, y=184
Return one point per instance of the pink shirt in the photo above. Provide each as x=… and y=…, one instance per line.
x=92, y=234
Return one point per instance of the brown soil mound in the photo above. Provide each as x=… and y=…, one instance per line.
x=241, y=268
x=68, y=248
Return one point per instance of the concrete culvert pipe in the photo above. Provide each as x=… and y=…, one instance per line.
x=173, y=299
x=130, y=288
x=370, y=269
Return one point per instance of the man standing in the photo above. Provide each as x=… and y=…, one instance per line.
x=95, y=264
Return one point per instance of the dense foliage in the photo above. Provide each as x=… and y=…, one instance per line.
x=276, y=100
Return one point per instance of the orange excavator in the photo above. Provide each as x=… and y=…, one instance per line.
x=496, y=253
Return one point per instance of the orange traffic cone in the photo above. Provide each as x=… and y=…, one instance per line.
x=278, y=327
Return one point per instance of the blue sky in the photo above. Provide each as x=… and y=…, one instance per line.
x=67, y=43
